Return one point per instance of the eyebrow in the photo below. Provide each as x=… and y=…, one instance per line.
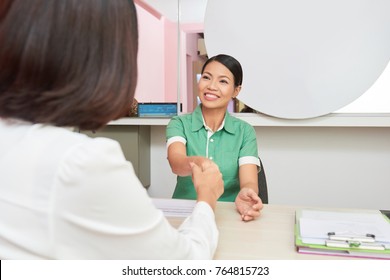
x=222, y=76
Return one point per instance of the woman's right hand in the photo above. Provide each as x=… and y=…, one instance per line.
x=208, y=182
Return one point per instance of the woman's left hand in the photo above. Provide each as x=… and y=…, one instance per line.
x=248, y=204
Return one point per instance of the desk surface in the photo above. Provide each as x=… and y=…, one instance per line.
x=269, y=237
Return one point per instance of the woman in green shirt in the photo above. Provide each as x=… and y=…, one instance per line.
x=211, y=134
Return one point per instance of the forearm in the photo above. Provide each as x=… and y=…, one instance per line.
x=180, y=164
x=251, y=186
x=248, y=177
x=209, y=200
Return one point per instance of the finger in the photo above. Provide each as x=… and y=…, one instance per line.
x=254, y=196
x=253, y=214
x=258, y=205
x=247, y=218
x=206, y=164
x=247, y=211
x=195, y=168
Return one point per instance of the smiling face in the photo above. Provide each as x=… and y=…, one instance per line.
x=216, y=86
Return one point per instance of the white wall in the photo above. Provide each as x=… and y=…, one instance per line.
x=309, y=166
x=190, y=10
x=162, y=181
x=321, y=166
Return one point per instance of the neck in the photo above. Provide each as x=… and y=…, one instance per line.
x=213, y=118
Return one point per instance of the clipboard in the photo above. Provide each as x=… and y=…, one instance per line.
x=350, y=242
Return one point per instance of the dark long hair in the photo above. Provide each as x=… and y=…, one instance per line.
x=67, y=62
x=230, y=63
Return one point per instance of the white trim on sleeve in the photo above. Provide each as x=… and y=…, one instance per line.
x=249, y=160
x=176, y=139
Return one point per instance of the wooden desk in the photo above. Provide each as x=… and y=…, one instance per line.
x=270, y=237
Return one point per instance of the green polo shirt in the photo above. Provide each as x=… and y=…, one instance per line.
x=229, y=147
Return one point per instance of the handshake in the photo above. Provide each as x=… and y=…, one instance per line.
x=209, y=186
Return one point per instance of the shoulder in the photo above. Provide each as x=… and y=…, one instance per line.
x=68, y=139
x=240, y=124
x=179, y=123
x=93, y=152
x=68, y=149
x=181, y=118
x=238, y=121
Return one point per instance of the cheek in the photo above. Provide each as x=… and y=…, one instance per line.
x=228, y=93
x=201, y=87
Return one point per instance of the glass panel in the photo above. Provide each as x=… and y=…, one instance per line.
x=192, y=52
x=158, y=51
x=172, y=52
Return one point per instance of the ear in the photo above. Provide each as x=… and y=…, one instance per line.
x=236, y=91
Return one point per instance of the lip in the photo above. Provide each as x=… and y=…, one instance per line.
x=210, y=96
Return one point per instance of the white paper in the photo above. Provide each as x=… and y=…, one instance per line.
x=175, y=207
x=315, y=225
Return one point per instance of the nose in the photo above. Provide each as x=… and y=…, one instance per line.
x=212, y=85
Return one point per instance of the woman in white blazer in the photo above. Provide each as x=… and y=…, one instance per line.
x=63, y=195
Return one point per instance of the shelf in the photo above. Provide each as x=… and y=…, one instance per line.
x=140, y=121
x=261, y=120
x=330, y=120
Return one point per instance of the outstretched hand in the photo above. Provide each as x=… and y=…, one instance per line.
x=208, y=182
x=248, y=204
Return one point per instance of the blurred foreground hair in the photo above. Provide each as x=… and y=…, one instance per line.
x=67, y=62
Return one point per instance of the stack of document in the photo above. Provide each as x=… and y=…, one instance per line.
x=343, y=233
x=175, y=207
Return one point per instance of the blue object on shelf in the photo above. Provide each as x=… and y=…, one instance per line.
x=157, y=109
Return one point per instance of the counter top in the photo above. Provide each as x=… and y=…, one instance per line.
x=261, y=120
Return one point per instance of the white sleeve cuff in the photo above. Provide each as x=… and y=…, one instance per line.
x=176, y=139
x=249, y=160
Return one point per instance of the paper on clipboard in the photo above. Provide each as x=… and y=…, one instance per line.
x=315, y=225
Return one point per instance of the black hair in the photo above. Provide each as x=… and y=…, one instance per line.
x=230, y=63
x=67, y=62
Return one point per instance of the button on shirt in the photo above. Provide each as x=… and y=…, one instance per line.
x=231, y=146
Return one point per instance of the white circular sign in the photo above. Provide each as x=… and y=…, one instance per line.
x=301, y=58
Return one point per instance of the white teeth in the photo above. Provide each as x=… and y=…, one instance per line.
x=209, y=95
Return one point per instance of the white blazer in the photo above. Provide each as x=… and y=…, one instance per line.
x=64, y=195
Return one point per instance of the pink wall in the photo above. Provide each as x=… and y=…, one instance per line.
x=170, y=61
x=188, y=54
x=158, y=58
